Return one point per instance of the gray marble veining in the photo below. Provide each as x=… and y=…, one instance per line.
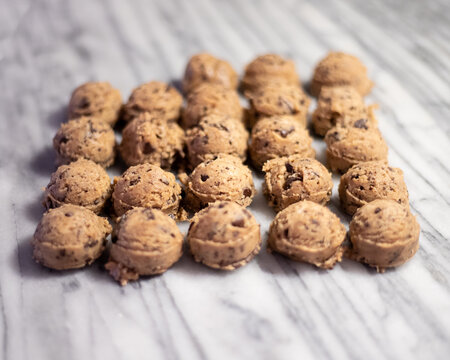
x=273, y=308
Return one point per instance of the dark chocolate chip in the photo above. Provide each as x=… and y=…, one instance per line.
x=291, y=178
x=377, y=210
x=204, y=177
x=361, y=124
x=247, y=192
x=239, y=222
x=289, y=168
x=284, y=133
x=148, y=148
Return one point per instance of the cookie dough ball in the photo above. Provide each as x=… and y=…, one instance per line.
x=338, y=69
x=147, y=242
x=383, y=234
x=224, y=236
x=157, y=98
x=148, y=186
x=222, y=179
x=294, y=178
x=209, y=99
x=97, y=99
x=149, y=139
x=349, y=146
x=82, y=183
x=267, y=69
x=369, y=181
x=278, y=100
x=308, y=232
x=341, y=106
x=215, y=135
x=69, y=237
x=279, y=136
x=85, y=138
x=205, y=68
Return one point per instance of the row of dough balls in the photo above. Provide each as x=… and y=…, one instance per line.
x=247, y=190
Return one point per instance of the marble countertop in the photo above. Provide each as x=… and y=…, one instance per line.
x=273, y=308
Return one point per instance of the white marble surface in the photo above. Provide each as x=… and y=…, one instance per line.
x=273, y=308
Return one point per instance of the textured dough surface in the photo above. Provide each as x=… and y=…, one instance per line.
x=157, y=98
x=209, y=99
x=308, y=232
x=147, y=186
x=278, y=136
x=205, y=68
x=338, y=69
x=147, y=242
x=349, y=146
x=278, y=100
x=148, y=139
x=383, y=234
x=82, y=183
x=69, y=237
x=294, y=178
x=268, y=69
x=341, y=106
x=224, y=236
x=85, y=137
x=369, y=181
x=215, y=135
x=222, y=179
x=97, y=99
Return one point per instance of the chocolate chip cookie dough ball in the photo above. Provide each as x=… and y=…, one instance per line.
x=278, y=100
x=383, y=234
x=341, y=106
x=222, y=179
x=69, y=237
x=148, y=186
x=157, y=98
x=209, y=99
x=308, y=232
x=369, y=181
x=349, y=146
x=224, y=236
x=267, y=69
x=293, y=178
x=85, y=138
x=97, y=99
x=205, y=68
x=147, y=242
x=149, y=139
x=215, y=135
x=82, y=183
x=338, y=69
x=279, y=136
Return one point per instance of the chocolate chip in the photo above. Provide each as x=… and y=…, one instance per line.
x=361, y=124
x=149, y=214
x=291, y=178
x=91, y=244
x=148, y=148
x=204, y=177
x=164, y=181
x=62, y=252
x=239, y=222
x=247, y=192
x=68, y=214
x=84, y=103
x=377, y=210
x=284, y=133
x=289, y=168
x=134, y=181
x=356, y=176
